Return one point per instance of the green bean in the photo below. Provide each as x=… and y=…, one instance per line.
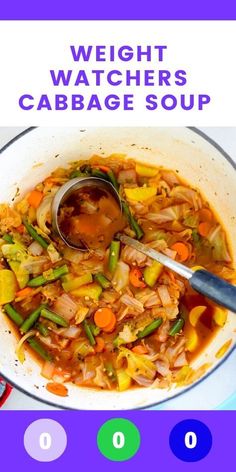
x=8, y=238
x=112, y=178
x=102, y=280
x=177, y=326
x=77, y=173
x=132, y=221
x=89, y=333
x=150, y=328
x=33, y=233
x=113, y=255
x=31, y=320
x=94, y=329
x=41, y=279
x=98, y=173
x=37, y=347
x=43, y=329
x=13, y=314
x=52, y=316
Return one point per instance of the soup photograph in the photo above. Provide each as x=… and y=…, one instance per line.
x=117, y=267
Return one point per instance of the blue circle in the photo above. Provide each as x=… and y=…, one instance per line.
x=190, y=447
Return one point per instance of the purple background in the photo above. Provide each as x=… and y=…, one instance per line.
x=121, y=10
x=82, y=452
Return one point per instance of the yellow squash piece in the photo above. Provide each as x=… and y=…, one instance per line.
x=92, y=291
x=146, y=171
x=124, y=380
x=195, y=314
x=20, y=273
x=223, y=349
x=77, y=282
x=198, y=268
x=152, y=273
x=220, y=316
x=140, y=194
x=8, y=286
x=192, y=339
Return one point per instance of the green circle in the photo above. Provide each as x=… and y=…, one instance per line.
x=118, y=439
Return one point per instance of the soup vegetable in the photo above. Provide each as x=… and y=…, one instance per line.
x=111, y=318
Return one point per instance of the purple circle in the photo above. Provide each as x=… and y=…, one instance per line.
x=45, y=440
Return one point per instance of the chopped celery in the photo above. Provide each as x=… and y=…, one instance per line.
x=14, y=252
x=114, y=253
x=82, y=349
x=94, y=329
x=102, y=280
x=77, y=282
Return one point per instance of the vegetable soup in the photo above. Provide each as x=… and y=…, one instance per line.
x=110, y=317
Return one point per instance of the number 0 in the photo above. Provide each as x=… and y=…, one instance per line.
x=190, y=440
x=45, y=441
x=118, y=440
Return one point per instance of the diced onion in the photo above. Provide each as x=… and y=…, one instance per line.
x=19, y=348
x=72, y=332
x=128, y=175
x=43, y=213
x=35, y=249
x=48, y=369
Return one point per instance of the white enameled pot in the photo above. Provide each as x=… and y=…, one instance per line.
x=30, y=157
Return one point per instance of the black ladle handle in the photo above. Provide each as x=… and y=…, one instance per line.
x=214, y=288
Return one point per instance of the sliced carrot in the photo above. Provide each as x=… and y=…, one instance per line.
x=57, y=389
x=20, y=229
x=182, y=251
x=35, y=198
x=109, y=328
x=103, y=168
x=24, y=292
x=135, y=278
x=103, y=317
x=205, y=214
x=100, y=344
x=172, y=277
x=204, y=228
x=140, y=349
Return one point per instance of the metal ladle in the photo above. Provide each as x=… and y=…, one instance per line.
x=202, y=281
x=67, y=190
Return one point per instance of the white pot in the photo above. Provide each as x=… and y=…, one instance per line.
x=198, y=161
